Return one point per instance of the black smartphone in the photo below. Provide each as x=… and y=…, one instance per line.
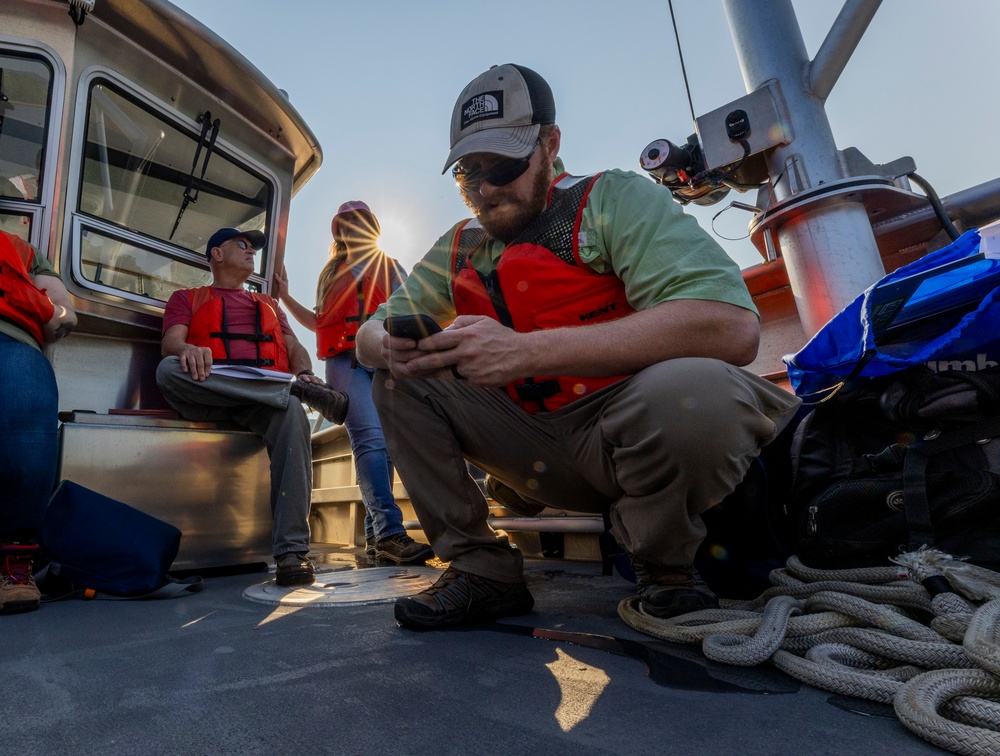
x=414, y=327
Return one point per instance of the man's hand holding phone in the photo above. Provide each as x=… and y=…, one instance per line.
x=415, y=327
x=399, y=355
x=475, y=347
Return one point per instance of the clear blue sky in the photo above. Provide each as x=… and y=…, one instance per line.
x=376, y=81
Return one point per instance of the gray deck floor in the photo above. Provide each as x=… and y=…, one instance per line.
x=214, y=673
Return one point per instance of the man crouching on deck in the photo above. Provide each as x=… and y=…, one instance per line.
x=591, y=366
x=224, y=323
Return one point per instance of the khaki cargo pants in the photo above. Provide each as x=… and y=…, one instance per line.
x=657, y=449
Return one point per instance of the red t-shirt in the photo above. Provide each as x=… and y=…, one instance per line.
x=240, y=317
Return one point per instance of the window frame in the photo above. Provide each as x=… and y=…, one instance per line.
x=75, y=220
x=40, y=211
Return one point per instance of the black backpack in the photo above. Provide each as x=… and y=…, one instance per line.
x=748, y=533
x=898, y=462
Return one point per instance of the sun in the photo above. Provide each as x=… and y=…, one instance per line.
x=400, y=238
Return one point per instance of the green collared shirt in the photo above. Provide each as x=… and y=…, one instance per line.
x=631, y=227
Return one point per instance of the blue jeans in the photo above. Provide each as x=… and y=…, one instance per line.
x=29, y=437
x=371, y=459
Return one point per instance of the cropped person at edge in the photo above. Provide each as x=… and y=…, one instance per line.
x=223, y=323
x=356, y=279
x=592, y=365
x=35, y=309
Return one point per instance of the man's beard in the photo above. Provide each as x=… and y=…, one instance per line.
x=507, y=228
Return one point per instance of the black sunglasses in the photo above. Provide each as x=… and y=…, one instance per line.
x=471, y=177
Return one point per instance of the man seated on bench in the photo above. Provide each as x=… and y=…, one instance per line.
x=225, y=324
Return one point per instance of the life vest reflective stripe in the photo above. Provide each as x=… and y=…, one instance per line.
x=208, y=328
x=21, y=301
x=539, y=283
x=349, y=302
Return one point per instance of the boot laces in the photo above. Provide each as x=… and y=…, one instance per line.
x=401, y=538
x=17, y=570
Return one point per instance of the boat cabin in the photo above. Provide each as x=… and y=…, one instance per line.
x=129, y=133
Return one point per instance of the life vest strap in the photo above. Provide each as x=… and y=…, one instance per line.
x=242, y=336
x=261, y=362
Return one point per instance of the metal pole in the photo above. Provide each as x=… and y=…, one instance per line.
x=829, y=250
x=839, y=45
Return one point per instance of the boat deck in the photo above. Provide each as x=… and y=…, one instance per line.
x=215, y=673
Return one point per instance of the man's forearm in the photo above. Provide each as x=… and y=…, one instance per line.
x=298, y=358
x=683, y=328
x=172, y=345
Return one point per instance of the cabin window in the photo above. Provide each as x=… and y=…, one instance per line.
x=18, y=224
x=25, y=105
x=25, y=100
x=158, y=190
x=129, y=267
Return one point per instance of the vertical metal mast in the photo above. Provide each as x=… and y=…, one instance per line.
x=819, y=224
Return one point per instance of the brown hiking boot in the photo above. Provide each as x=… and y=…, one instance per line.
x=401, y=549
x=18, y=592
x=458, y=598
x=293, y=568
x=326, y=401
x=671, y=591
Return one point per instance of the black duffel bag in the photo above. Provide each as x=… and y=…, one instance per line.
x=900, y=462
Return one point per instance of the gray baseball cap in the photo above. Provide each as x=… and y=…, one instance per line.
x=501, y=112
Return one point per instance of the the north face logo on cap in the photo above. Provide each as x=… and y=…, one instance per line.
x=481, y=107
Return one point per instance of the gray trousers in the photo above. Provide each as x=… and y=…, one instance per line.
x=264, y=408
x=657, y=449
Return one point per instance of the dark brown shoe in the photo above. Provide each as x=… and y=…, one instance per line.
x=293, y=568
x=328, y=402
x=671, y=591
x=401, y=549
x=458, y=598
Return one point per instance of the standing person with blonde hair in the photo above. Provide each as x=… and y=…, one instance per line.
x=356, y=279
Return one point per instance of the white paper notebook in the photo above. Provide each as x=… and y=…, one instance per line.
x=251, y=373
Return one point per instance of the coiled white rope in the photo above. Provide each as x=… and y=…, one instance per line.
x=920, y=700
x=853, y=632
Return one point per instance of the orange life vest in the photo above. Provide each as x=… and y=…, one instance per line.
x=21, y=302
x=349, y=302
x=208, y=328
x=539, y=283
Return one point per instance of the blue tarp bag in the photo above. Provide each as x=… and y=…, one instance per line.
x=956, y=292
x=99, y=544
